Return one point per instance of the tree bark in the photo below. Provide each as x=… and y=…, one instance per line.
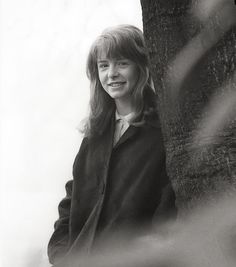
x=193, y=63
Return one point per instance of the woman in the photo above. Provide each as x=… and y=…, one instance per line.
x=119, y=178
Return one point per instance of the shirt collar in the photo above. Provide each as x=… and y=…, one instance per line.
x=128, y=118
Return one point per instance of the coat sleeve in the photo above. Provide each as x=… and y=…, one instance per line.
x=58, y=244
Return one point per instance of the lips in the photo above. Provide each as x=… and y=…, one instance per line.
x=116, y=84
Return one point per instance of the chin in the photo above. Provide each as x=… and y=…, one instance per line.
x=115, y=96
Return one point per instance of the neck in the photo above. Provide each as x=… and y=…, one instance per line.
x=124, y=107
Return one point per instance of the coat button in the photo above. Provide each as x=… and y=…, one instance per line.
x=103, y=188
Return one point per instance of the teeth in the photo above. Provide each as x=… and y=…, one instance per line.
x=115, y=84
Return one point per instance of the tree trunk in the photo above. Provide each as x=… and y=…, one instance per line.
x=192, y=50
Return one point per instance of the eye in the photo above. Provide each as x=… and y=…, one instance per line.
x=103, y=65
x=123, y=63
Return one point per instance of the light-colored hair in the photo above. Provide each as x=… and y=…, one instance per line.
x=120, y=41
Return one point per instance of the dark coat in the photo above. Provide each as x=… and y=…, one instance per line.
x=113, y=189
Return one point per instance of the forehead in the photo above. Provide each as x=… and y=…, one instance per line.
x=104, y=55
x=111, y=49
x=109, y=54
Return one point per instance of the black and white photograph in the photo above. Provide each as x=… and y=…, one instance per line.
x=118, y=133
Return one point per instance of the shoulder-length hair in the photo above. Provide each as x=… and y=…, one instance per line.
x=120, y=41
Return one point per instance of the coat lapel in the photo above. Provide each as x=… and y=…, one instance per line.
x=129, y=133
x=101, y=146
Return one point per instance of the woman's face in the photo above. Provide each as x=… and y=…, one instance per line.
x=118, y=77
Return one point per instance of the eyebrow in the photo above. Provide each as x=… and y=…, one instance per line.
x=105, y=60
x=101, y=60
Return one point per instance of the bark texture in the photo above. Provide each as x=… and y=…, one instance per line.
x=193, y=62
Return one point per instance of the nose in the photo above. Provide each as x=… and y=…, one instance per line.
x=113, y=71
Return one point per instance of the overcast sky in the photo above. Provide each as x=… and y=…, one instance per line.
x=44, y=95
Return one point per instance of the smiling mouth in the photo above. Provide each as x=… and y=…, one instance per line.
x=116, y=84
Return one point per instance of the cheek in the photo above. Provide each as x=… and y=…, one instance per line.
x=101, y=77
x=134, y=78
x=133, y=74
x=102, y=80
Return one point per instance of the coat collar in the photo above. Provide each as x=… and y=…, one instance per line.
x=135, y=127
x=129, y=133
x=106, y=139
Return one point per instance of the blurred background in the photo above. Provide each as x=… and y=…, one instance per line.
x=44, y=96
